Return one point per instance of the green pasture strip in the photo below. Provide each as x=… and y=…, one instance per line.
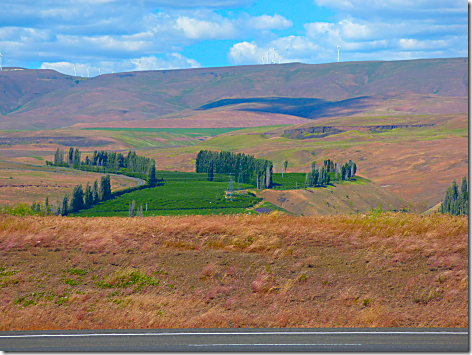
x=180, y=212
x=273, y=207
x=356, y=180
x=292, y=181
x=140, y=140
x=190, y=196
x=17, y=130
x=375, y=120
x=262, y=129
x=421, y=133
x=183, y=131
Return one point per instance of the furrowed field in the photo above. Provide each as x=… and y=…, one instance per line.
x=375, y=270
x=184, y=194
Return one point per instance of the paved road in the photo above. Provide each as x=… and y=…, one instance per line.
x=339, y=339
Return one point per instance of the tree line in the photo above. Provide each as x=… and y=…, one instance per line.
x=258, y=171
x=456, y=203
x=321, y=175
x=80, y=199
x=101, y=162
x=108, y=162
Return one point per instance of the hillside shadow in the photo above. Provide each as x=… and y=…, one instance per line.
x=300, y=107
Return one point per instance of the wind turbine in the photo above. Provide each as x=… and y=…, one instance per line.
x=338, y=53
x=273, y=59
x=88, y=73
x=99, y=71
x=1, y=62
x=75, y=71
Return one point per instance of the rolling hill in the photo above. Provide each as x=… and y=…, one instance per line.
x=42, y=99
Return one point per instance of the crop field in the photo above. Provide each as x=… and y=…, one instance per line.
x=188, y=176
x=176, y=198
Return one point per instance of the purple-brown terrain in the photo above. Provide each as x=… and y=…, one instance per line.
x=42, y=99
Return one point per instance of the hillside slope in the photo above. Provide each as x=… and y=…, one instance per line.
x=342, y=199
x=337, y=87
x=20, y=86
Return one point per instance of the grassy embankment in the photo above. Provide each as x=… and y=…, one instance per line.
x=378, y=270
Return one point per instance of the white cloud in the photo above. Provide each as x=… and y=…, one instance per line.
x=416, y=45
x=200, y=29
x=404, y=9
x=170, y=61
x=115, y=30
x=119, y=31
x=359, y=38
x=266, y=22
x=246, y=52
x=287, y=49
x=68, y=68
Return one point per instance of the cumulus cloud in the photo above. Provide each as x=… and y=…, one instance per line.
x=281, y=50
x=172, y=61
x=127, y=35
x=168, y=62
x=391, y=37
x=201, y=29
x=266, y=22
x=373, y=36
x=101, y=31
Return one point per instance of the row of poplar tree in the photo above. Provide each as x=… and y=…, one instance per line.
x=80, y=199
x=251, y=169
x=320, y=175
x=102, y=161
x=456, y=202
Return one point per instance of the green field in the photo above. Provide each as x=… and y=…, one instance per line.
x=189, y=176
x=203, y=132
x=176, y=198
x=191, y=193
x=292, y=181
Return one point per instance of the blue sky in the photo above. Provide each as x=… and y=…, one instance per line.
x=120, y=35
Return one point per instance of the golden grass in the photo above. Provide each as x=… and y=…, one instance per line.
x=234, y=271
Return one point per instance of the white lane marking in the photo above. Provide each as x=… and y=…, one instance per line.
x=229, y=333
x=273, y=344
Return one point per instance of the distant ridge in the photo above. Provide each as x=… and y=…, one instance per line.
x=47, y=99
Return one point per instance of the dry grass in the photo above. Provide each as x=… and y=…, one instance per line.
x=22, y=183
x=234, y=271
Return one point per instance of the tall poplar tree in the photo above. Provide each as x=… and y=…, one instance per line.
x=105, y=188
x=77, y=202
x=95, y=195
x=88, y=198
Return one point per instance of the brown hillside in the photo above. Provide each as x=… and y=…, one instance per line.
x=18, y=87
x=342, y=199
x=332, y=88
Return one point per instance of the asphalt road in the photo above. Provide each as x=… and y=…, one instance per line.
x=321, y=339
